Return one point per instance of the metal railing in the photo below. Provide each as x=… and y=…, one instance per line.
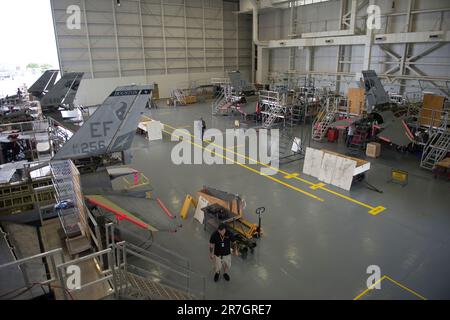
x=157, y=264
x=105, y=275
x=22, y=265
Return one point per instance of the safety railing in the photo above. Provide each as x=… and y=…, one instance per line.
x=157, y=264
x=28, y=280
x=105, y=275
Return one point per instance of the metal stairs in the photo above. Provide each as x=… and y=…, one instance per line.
x=221, y=105
x=298, y=110
x=140, y=288
x=275, y=112
x=179, y=97
x=323, y=121
x=436, y=149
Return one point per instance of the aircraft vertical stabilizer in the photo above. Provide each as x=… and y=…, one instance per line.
x=111, y=128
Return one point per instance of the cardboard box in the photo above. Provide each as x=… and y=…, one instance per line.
x=373, y=150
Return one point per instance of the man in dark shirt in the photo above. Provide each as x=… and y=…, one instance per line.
x=220, y=251
x=203, y=127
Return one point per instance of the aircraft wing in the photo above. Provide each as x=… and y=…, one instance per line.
x=122, y=214
x=344, y=123
x=64, y=91
x=111, y=128
x=396, y=131
x=44, y=83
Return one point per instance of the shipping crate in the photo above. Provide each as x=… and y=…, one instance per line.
x=373, y=150
x=356, y=100
x=431, y=112
x=191, y=99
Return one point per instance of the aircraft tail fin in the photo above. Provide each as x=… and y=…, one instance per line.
x=375, y=93
x=64, y=91
x=45, y=82
x=111, y=128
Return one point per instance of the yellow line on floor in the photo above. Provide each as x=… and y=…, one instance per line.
x=369, y=288
x=406, y=288
x=394, y=282
x=251, y=169
x=372, y=210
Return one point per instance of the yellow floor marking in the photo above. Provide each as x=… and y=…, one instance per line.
x=372, y=209
x=377, y=210
x=293, y=175
x=252, y=170
x=394, y=282
x=369, y=288
x=406, y=288
x=317, y=186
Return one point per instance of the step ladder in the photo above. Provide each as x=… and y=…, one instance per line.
x=323, y=121
x=436, y=149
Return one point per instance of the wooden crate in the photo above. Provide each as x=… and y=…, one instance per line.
x=356, y=100
x=373, y=150
x=431, y=111
x=155, y=92
x=191, y=99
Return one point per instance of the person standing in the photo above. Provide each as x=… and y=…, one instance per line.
x=203, y=127
x=220, y=251
x=351, y=131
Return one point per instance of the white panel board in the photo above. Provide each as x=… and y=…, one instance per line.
x=327, y=169
x=199, y=214
x=317, y=163
x=154, y=130
x=307, y=165
x=343, y=173
x=361, y=169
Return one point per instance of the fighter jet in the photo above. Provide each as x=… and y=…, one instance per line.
x=389, y=118
x=108, y=134
x=63, y=93
x=44, y=84
x=111, y=129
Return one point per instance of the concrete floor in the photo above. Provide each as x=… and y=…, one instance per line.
x=311, y=249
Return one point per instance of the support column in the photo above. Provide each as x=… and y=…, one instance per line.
x=88, y=40
x=367, y=49
x=164, y=35
x=144, y=62
x=406, y=47
x=262, y=71
x=117, y=37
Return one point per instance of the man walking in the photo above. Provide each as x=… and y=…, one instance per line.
x=220, y=251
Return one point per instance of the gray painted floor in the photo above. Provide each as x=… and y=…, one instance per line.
x=311, y=249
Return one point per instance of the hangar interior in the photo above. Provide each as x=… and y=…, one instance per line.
x=316, y=131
